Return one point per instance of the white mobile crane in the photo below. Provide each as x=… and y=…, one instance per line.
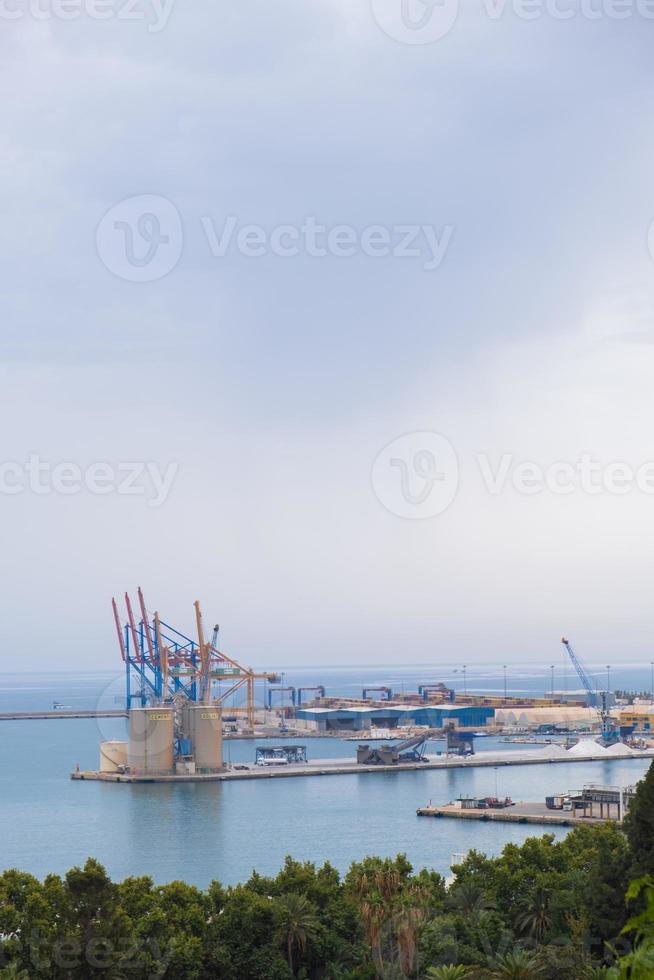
x=599, y=699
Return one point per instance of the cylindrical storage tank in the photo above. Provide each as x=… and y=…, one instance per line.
x=151, y=738
x=204, y=726
x=113, y=755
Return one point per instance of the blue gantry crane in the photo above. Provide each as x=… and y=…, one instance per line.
x=386, y=693
x=163, y=665
x=597, y=699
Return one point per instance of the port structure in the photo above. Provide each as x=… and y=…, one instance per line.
x=596, y=699
x=163, y=665
x=319, y=689
x=295, y=692
x=272, y=691
x=386, y=693
x=434, y=691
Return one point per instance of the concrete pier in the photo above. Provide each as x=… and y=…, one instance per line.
x=518, y=813
x=340, y=767
x=63, y=713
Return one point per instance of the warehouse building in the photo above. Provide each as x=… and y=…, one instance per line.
x=641, y=716
x=559, y=716
x=361, y=718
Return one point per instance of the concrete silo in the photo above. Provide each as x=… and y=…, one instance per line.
x=203, y=726
x=151, y=741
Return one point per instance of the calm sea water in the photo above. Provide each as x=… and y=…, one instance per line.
x=200, y=832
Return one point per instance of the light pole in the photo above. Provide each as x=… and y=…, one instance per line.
x=552, y=682
x=465, y=686
x=504, y=669
x=651, y=690
x=608, y=678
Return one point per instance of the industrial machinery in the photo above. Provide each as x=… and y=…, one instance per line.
x=281, y=691
x=280, y=754
x=459, y=743
x=386, y=693
x=596, y=699
x=318, y=688
x=411, y=750
x=426, y=691
x=163, y=666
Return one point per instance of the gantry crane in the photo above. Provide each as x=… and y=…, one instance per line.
x=318, y=687
x=280, y=690
x=426, y=690
x=164, y=665
x=598, y=699
x=385, y=691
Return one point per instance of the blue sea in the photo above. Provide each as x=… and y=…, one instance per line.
x=200, y=832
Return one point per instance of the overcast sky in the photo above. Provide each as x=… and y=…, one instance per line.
x=335, y=425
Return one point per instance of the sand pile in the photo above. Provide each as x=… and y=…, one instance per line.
x=620, y=749
x=552, y=751
x=587, y=747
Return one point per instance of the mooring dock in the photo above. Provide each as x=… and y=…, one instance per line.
x=518, y=813
x=59, y=713
x=595, y=803
x=340, y=767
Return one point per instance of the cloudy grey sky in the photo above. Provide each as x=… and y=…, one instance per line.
x=321, y=402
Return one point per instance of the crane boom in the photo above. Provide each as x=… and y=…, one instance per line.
x=579, y=667
x=599, y=699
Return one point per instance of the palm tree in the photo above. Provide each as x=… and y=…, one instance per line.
x=298, y=923
x=14, y=972
x=458, y=972
x=600, y=973
x=469, y=898
x=407, y=923
x=533, y=918
x=518, y=965
x=373, y=913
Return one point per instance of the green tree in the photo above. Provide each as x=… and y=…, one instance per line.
x=469, y=897
x=519, y=964
x=457, y=972
x=639, y=826
x=534, y=916
x=298, y=924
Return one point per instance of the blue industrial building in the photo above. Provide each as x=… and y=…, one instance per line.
x=392, y=716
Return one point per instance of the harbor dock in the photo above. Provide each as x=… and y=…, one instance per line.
x=340, y=767
x=59, y=713
x=523, y=813
x=595, y=803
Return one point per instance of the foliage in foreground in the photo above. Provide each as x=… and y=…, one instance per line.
x=546, y=909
